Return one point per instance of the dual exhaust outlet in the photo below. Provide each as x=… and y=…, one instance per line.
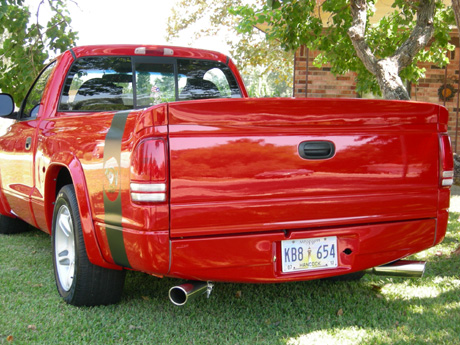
x=179, y=295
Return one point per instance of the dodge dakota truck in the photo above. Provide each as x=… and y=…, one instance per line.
x=154, y=159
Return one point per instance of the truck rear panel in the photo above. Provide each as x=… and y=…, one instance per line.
x=237, y=166
x=252, y=181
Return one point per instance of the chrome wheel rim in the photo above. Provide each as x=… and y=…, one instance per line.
x=64, y=248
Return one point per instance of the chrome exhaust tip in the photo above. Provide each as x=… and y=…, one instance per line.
x=179, y=295
x=400, y=268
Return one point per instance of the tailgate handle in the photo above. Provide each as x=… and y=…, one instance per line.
x=316, y=149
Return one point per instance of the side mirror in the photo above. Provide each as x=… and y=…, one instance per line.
x=6, y=105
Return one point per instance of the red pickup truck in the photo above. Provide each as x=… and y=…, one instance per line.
x=154, y=159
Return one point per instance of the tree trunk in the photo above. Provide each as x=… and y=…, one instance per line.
x=387, y=70
x=391, y=84
x=456, y=8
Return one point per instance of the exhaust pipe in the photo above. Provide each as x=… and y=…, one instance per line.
x=400, y=268
x=179, y=295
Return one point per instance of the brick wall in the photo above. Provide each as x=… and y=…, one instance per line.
x=310, y=81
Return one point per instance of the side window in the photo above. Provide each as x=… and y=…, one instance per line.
x=98, y=84
x=155, y=84
x=200, y=79
x=34, y=97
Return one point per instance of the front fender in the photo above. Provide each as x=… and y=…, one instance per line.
x=66, y=163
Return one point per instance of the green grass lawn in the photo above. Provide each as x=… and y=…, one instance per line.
x=374, y=310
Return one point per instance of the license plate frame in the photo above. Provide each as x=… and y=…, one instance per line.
x=309, y=254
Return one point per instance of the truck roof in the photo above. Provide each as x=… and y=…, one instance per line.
x=148, y=50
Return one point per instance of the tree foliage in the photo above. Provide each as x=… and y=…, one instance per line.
x=328, y=25
x=27, y=44
x=252, y=53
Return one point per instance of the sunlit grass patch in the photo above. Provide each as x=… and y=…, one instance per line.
x=347, y=336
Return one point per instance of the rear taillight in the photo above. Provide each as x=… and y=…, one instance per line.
x=148, y=172
x=446, y=161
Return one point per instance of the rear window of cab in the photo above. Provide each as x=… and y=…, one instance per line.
x=123, y=83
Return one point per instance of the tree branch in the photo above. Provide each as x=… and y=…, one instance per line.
x=357, y=34
x=39, y=32
x=420, y=36
x=58, y=12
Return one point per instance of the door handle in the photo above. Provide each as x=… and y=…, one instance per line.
x=316, y=149
x=28, y=143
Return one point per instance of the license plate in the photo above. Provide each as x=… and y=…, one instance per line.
x=309, y=254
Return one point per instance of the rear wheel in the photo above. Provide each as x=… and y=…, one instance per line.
x=9, y=225
x=78, y=281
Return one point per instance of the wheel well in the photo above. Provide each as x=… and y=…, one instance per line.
x=58, y=177
x=62, y=179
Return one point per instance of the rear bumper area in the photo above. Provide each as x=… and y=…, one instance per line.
x=258, y=257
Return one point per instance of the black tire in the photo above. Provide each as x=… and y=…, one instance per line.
x=347, y=277
x=78, y=281
x=9, y=225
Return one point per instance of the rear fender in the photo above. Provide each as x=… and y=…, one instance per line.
x=73, y=167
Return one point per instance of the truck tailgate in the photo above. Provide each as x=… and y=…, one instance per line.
x=245, y=166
